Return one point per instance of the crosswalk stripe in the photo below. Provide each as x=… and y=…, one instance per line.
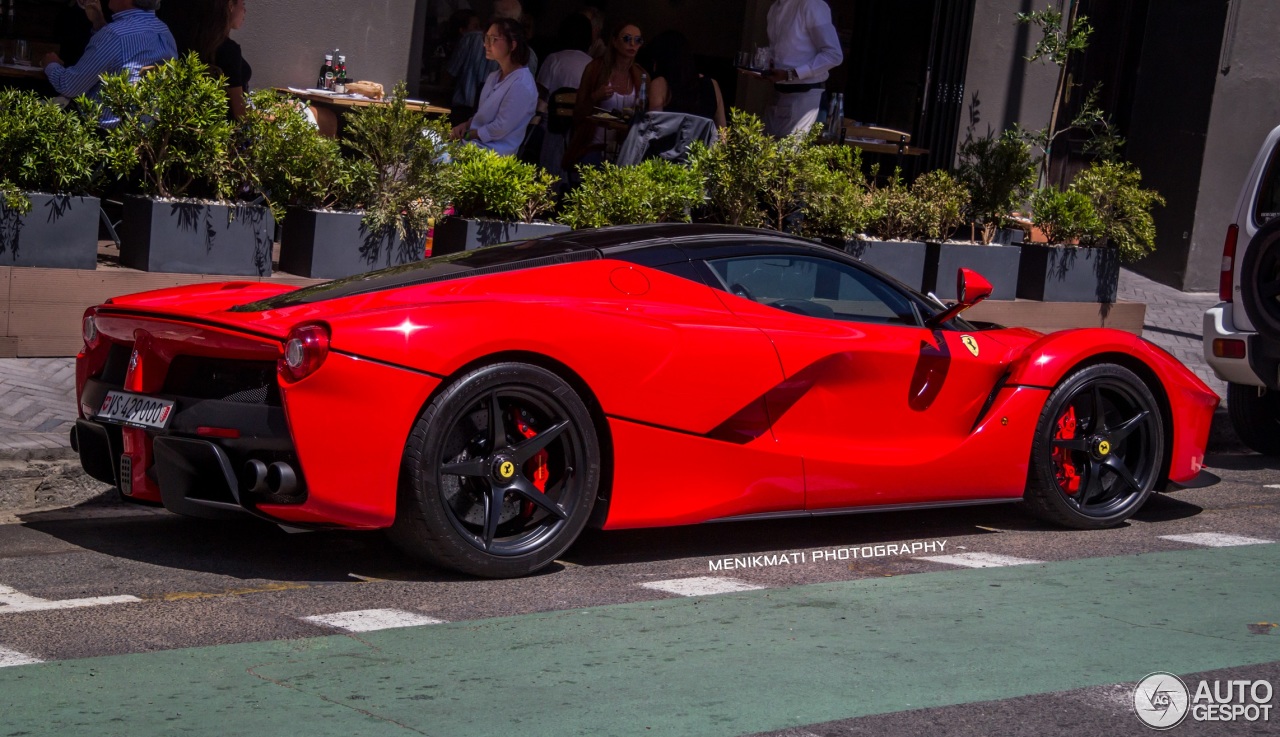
x=14, y=601
x=370, y=620
x=1215, y=539
x=700, y=586
x=13, y=657
x=980, y=560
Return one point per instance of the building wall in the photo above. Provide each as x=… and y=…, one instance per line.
x=1001, y=86
x=1246, y=106
x=285, y=40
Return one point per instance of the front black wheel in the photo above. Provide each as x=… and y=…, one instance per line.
x=500, y=473
x=1255, y=416
x=1098, y=449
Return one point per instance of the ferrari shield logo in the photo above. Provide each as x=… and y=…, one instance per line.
x=507, y=469
x=1104, y=448
x=970, y=343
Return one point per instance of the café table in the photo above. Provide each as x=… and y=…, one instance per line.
x=343, y=103
x=21, y=71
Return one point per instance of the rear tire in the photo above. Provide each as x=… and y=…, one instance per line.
x=1091, y=469
x=1260, y=280
x=1255, y=415
x=499, y=474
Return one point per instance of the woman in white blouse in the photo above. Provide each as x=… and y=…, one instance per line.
x=510, y=95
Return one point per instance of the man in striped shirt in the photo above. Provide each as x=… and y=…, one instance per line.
x=133, y=39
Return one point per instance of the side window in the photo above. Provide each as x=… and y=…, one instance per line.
x=1267, y=207
x=814, y=287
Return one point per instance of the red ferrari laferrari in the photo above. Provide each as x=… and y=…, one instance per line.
x=486, y=406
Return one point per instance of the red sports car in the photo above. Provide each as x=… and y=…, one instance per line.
x=486, y=406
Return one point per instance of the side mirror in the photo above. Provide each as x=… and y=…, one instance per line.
x=971, y=288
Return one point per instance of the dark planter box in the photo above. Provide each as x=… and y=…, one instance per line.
x=1068, y=273
x=455, y=234
x=60, y=232
x=331, y=245
x=997, y=264
x=902, y=260
x=190, y=237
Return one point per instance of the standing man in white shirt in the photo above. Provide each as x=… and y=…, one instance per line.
x=805, y=47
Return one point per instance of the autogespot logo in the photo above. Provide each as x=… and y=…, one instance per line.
x=1160, y=700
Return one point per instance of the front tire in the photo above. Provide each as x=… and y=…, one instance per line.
x=1255, y=415
x=1098, y=449
x=500, y=473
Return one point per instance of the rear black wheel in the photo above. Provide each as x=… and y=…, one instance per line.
x=1098, y=449
x=1260, y=280
x=500, y=473
x=1255, y=415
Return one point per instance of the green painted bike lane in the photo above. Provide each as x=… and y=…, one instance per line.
x=720, y=665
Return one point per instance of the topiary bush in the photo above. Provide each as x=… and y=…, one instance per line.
x=836, y=204
x=736, y=170
x=893, y=213
x=1065, y=216
x=174, y=132
x=489, y=186
x=402, y=176
x=999, y=173
x=1121, y=206
x=940, y=203
x=44, y=148
x=280, y=154
x=655, y=191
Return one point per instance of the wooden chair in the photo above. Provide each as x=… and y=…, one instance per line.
x=560, y=110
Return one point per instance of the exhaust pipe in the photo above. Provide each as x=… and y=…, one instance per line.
x=253, y=477
x=281, y=479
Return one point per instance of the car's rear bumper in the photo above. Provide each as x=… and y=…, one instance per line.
x=1249, y=370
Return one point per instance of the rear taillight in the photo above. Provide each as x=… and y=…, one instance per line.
x=304, y=351
x=1226, y=279
x=89, y=330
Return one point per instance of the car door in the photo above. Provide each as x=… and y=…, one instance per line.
x=876, y=404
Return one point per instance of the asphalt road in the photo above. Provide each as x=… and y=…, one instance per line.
x=147, y=623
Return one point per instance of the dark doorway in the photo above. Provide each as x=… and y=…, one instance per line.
x=905, y=70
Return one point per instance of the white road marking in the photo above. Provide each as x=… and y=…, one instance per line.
x=13, y=601
x=13, y=657
x=1271, y=486
x=370, y=620
x=980, y=560
x=1215, y=539
x=700, y=586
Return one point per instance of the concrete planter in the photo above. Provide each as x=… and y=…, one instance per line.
x=60, y=232
x=1068, y=273
x=902, y=260
x=998, y=264
x=331, y=245
x=455, y=234
x=192, y=237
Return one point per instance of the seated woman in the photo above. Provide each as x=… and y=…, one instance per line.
x=205, y=26
x=677, y=87
x=611, y=83
x=509, y=97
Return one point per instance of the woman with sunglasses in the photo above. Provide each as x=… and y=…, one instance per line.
x=509, y=97
x=611, y=83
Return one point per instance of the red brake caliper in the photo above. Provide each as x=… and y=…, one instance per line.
x=1065, y=470
x=536, y=468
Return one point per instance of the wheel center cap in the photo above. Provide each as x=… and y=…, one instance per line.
x=1103, y=448
x=504, y=468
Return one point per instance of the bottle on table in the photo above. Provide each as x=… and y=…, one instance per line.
x=340, y=76
x=324, y=81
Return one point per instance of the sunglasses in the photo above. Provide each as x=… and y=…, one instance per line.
x=491, y=40
x=637, y=40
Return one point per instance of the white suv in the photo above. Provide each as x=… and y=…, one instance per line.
x=1242, y=333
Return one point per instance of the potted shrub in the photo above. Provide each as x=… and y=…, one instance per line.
x=344, y=215
x=48, y=158
x=1103, y=218
x=999, y=172
x=175, y=135
x=495, y=199
x=941, y=202
x=654, y=191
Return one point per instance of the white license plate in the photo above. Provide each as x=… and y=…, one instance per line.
x=135, y=410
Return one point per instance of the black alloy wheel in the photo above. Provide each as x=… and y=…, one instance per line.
x=1098, y=449
x=501, y=471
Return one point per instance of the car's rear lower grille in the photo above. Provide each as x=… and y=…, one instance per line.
x=246, y=382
